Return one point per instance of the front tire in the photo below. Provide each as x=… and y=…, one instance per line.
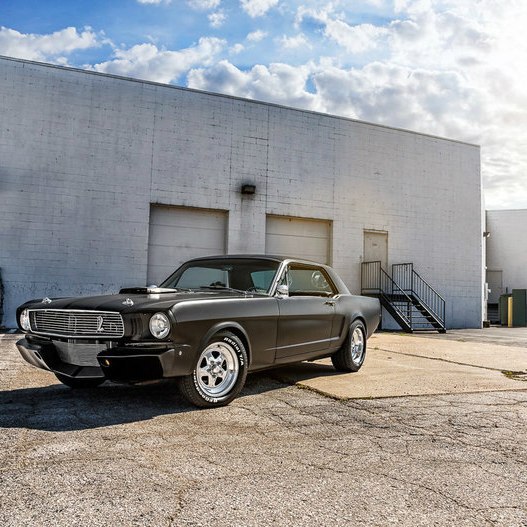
x=74, y=382
x=351, y=355
x=219, y=374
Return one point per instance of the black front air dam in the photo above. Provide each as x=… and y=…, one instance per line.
x=128, y=364
x=33, y=353
x=43, y=354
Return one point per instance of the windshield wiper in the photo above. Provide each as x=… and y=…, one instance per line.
x=223, y=288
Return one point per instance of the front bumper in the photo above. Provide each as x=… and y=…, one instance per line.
x=122, y=363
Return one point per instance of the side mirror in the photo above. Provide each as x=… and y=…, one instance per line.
x=282, y=291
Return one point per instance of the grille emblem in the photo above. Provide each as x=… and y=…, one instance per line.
x=100, y=322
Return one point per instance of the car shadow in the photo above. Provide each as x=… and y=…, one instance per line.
x=57, y=408
x=304, y=371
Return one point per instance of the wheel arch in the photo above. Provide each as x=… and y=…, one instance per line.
x=363, y=320
x=354, y=318
x=233, y=327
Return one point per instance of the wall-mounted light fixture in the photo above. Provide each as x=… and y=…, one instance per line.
x=486, y=234
x=248, y=189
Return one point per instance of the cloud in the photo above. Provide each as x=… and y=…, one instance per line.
x=279, y=83
x=217, y=19
x=255, y=8
x=51, y=47
x=256, y=36
x=377, y=92
x=204, y=5
x=237, y=48
x=297, y=41
x=355, y=39
x=147, y=61
x=154, y=2
x=403, y=97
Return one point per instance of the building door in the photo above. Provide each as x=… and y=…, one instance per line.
x=178, y=234
x=376, y=247
x=495, y=284
x=299, y=237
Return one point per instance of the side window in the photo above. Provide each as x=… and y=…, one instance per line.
x=304, y=280
x=262, y=279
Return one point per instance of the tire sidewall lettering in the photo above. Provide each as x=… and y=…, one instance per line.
x=236, y=347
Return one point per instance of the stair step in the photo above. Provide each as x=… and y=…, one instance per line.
x=409, y=312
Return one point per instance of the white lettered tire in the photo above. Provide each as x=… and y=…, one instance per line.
x=219, y=373
x=350, y=357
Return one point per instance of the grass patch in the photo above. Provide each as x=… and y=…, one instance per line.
x=515, y=375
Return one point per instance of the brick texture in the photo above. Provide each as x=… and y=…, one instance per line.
x=82, y=156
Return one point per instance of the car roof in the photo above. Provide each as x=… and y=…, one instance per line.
x=271, y=257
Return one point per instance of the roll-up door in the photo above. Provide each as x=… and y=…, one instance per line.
x=299, y=237
x=178, y=234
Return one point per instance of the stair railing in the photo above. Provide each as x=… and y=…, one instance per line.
x=375, y=280
x=416, y=286
x=370, y=277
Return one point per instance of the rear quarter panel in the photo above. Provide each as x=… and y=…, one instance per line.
x=351, y=307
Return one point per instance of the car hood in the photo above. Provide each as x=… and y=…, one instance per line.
x=133, y=302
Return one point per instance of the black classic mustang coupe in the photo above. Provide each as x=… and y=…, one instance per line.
x=208, y=324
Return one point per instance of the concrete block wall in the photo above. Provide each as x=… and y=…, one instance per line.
x=82, y=156
x=507, y=246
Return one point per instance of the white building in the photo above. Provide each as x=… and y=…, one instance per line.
x=108, y=182
x=506, y=252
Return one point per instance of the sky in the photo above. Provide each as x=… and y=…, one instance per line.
x=452, y=68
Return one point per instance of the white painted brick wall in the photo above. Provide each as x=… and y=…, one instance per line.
x=82, y=156
x=507, y=246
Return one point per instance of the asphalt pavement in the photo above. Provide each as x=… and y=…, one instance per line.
x=280, y=454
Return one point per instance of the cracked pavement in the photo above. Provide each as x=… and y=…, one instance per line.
x=278, y=455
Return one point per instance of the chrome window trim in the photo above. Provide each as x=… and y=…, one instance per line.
x=284, y=265
x=278, y=276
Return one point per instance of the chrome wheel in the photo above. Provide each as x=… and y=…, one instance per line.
x=217, y=369
x=219, y=374
x=351, y=355
x=357, y=345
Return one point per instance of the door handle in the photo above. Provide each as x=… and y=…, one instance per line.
x=330, y=302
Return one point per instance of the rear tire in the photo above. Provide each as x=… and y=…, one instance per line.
x=219, y=373
x=350, y=357
x=74, y=382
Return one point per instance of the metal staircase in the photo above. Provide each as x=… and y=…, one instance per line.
x=411, y=301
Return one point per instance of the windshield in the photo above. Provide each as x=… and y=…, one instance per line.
x=242, y=274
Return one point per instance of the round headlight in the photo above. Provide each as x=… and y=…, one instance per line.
x=159, y=325
x=24, y=320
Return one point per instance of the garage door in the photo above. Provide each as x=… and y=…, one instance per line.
x=180, y=233
x=299, y=237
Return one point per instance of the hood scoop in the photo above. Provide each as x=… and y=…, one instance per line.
x=146, y=290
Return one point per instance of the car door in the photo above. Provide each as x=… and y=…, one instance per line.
x=306, y=313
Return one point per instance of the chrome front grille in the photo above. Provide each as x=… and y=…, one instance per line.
x=76, y=323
